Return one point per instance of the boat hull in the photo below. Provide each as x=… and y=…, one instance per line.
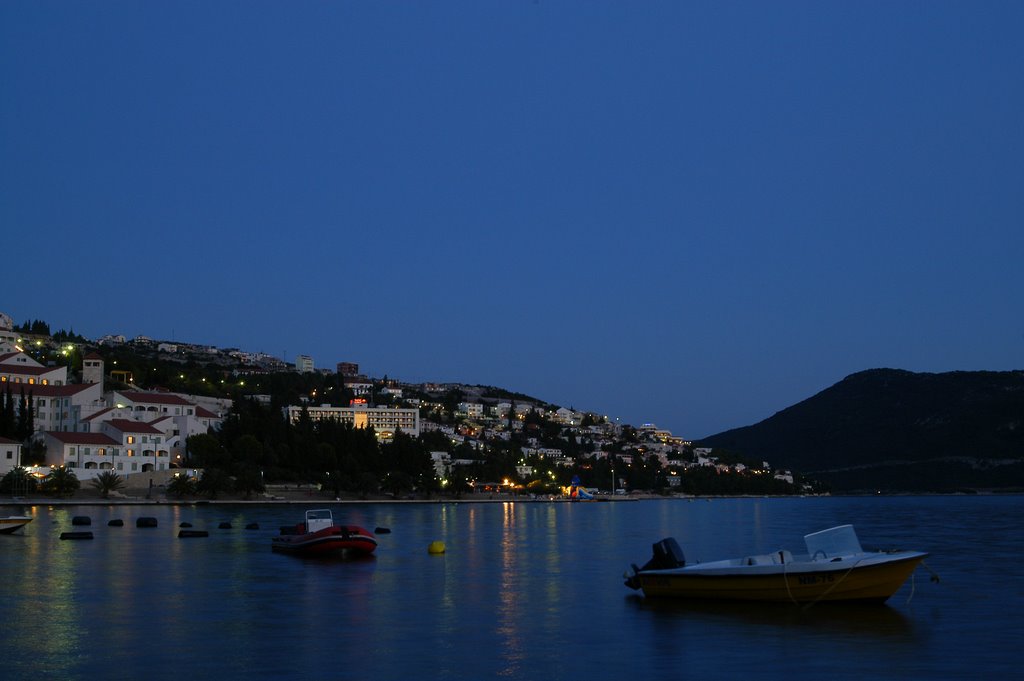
x=871, y=579
x=331, y=540
x=12, y=524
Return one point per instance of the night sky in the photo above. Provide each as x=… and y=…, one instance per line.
x=688, y=213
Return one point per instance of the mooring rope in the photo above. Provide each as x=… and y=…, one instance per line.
x=913, y=582
x=837, y=583
x=935, y=575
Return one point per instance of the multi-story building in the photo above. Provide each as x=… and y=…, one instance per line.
x=304, y=364
x=384, y=420
x=472, y=409
x=10, y=455
x=359, y=385
x=59, y=407
x=55, y=402
x=17, y=367
x=122, y=445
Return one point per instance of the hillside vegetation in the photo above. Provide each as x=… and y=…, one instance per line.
x=889, y=429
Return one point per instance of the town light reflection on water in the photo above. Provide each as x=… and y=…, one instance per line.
x=47, y=618
x=509, y=595
x=525, y=591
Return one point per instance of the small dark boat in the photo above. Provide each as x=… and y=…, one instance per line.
x=318, y=535
x=76, y=535
x=184, y=534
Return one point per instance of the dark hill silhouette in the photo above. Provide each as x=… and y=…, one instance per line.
x=890, y=429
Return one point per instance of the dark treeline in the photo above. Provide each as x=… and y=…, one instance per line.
x=257, y=445
x=17, y=413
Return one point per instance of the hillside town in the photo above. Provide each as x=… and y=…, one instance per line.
x=67, y=404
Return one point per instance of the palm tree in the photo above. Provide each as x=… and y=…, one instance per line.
x=18, y=481
x=107, y=482
x=61, y=482
x=182, y=486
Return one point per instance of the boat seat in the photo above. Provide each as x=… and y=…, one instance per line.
x=782, y=557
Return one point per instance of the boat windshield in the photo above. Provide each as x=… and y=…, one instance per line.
x=318, y=520
x=835, y=541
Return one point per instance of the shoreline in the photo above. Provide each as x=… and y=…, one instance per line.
x=470, y=499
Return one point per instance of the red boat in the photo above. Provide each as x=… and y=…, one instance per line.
x=318, y=535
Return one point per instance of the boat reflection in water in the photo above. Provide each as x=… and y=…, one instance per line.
x=848, y=620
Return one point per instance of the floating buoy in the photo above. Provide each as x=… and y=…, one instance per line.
x=192, y=533
x=436, y=547
x=381, y=530
x=81, y=520
x=76, y=535
x=145, y=522
x=116, y=522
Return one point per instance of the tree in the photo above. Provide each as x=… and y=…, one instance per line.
x=407, y=455
x=107, y=482
x=34, y=453
x=248, y=479
x=182, y=486
x=61, y=482
x=206, y=451
x=7, y=422
x=214, y=481
x=398, y=483
x=366, y=483
x=18, y=481
x=26, y=417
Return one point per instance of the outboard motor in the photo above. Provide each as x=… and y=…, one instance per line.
x=667, y=555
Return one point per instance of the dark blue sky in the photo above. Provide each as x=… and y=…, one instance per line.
x=689, y=213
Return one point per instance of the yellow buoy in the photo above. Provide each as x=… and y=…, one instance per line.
x=436, y=547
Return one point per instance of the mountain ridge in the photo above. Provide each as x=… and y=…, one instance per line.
x=896, y=429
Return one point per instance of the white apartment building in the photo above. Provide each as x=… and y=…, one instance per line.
x=384, y=420
x=175, y=416
x=472, y=409
x=10, y=455
x=567, y=417
x=17, y=367
x=59, y=407
x=122, y=445
x=304, y=364
x=359, y=385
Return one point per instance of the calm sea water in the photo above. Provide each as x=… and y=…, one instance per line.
x=525, y=591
